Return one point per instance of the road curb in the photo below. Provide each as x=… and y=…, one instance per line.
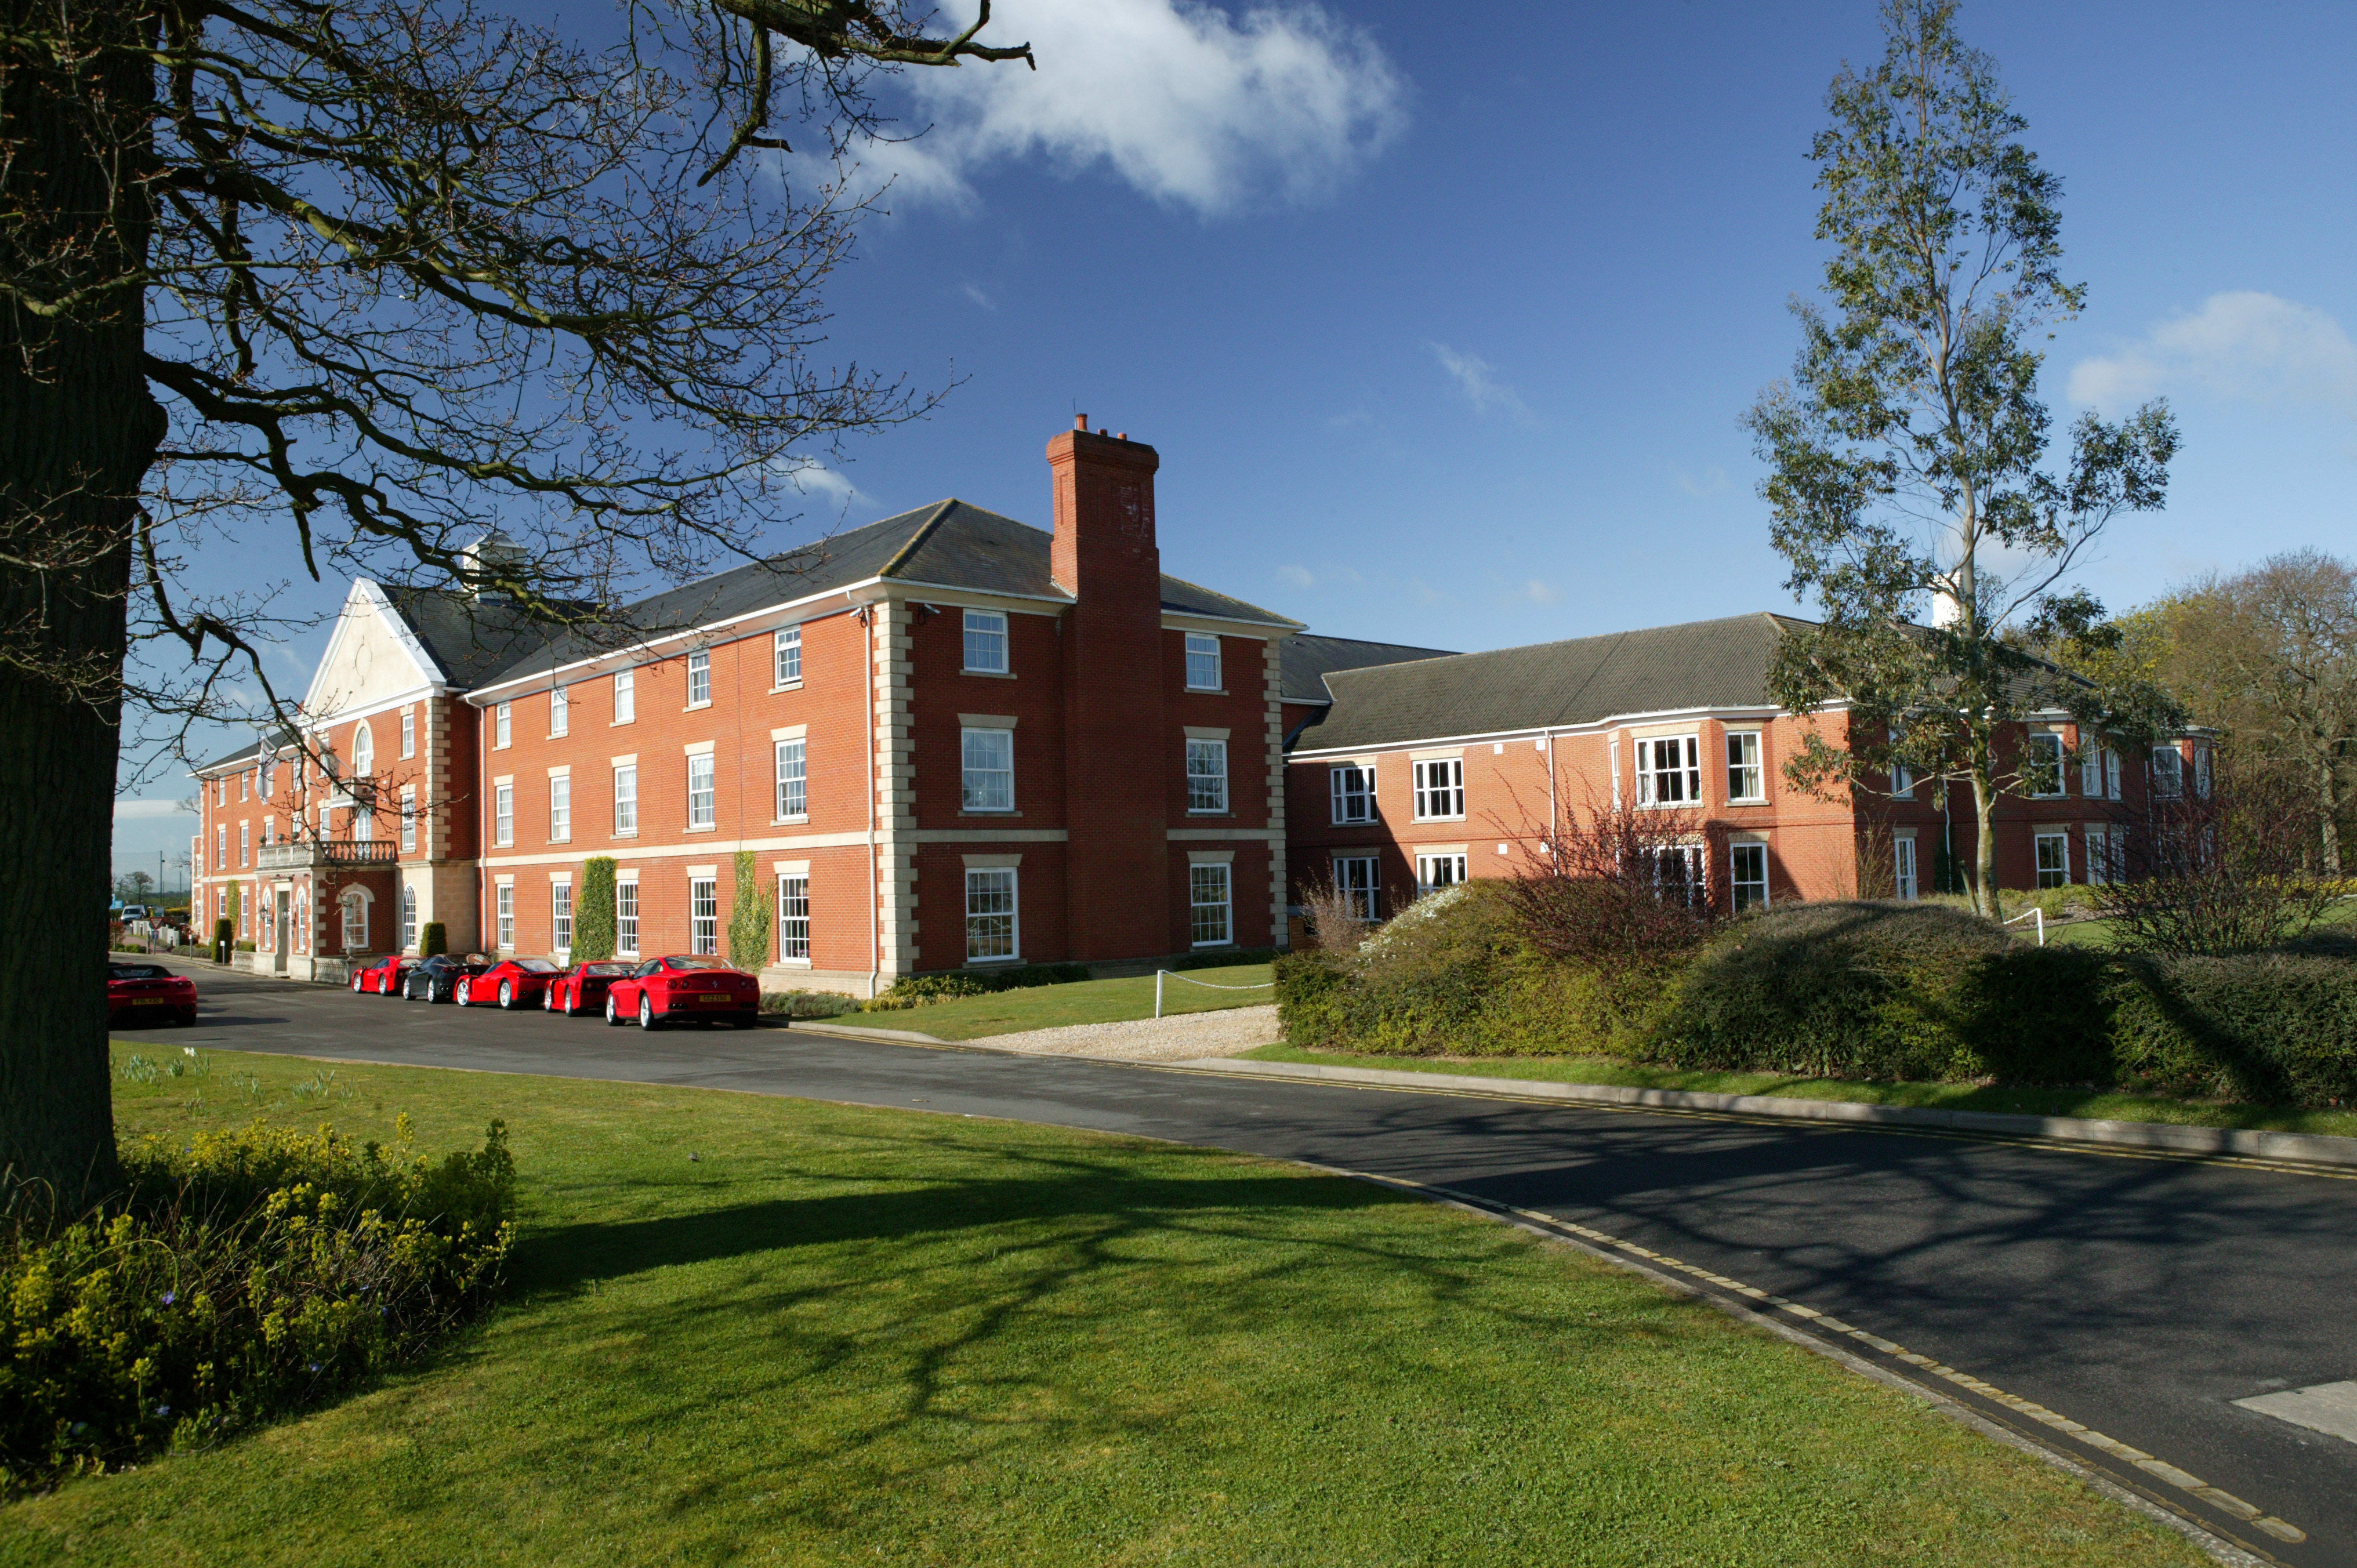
x=860, y=1032
x=2306, y=1148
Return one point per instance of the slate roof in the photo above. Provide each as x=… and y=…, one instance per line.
x=245, y=754
x=1305, y=659
x=1701, y=664
x=949, y=544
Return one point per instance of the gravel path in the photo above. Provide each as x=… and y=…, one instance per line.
x=1178, y=1039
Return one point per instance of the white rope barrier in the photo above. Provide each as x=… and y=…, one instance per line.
x=1160, y=974
x=2024, y=915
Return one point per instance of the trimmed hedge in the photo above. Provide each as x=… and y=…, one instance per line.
x=921, y=989
x=1848, y=990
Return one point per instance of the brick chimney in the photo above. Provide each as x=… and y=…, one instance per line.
x=1118, y=902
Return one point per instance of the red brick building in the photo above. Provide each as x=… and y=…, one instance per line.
x=950, y=738
x=1409, y=769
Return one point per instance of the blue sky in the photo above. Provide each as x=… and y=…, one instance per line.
x=1444, y=337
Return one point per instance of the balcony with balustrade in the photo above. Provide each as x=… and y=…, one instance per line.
x=310, y=854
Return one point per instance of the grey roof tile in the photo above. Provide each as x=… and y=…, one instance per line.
x=1306, y=659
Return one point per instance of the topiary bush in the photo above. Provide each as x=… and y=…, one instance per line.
x=433, y=938
x=749, y=920
x=593, y=911
x=242, y=1275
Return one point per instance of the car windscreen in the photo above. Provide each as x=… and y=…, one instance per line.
x=536, y=966
x=604, y=969
x=696, y=963
x=137, y=971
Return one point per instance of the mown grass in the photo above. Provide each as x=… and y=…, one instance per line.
x=757, y=1330
x=2099, y=1104
x=1082, y=1002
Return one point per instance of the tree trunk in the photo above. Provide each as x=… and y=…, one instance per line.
x=1984, y=897
x=2328, y=790
x=78, y=431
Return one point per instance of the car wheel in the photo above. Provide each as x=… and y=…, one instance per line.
x=356, y=983
x=435, y=992
x=462, y=991
x=613, y=1014
x=646, y=1011
x=548, y=1000
x=507, y=994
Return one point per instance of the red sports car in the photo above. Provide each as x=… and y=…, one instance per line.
x=683, y=986
x=383, y=978
x=582, y=988
x=511, y=981
x=148, y=990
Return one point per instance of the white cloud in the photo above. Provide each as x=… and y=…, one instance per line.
x=2246, y=345
x=1189, y=105
x=1709, y=482
x=1296, y=576
x=974, y=293
x=149, y=811
x=813, y=477
x=1539, y=592
x=1478, y=379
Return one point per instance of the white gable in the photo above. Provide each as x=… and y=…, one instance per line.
x=373, y=660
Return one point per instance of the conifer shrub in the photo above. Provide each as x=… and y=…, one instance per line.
x=593, y=911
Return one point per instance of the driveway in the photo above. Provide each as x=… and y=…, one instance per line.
x=2135, y=1294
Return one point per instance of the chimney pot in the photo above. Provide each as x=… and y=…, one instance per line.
x=1080, y=422
x=1122, y=436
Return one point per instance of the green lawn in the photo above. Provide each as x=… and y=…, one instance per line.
x=754, y=1330
x=1084, y=1002
x=2340, y=916
x=2090, y=1103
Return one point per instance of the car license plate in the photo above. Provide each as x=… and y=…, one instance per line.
x=150, y=1000
x=715, y=1000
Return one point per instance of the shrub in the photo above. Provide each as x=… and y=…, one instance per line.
x=224, y=932
x=922, y=990
x=433, y=938
x=2225, y=870
x=2277, y=1027
x=808, y=1004
x=593, y=911
x=243, y=1274
x=235, y=904
x=1452, y=974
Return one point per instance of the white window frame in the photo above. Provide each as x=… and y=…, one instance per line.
x=502, y=815
x=1203, y=664
x=2050, y=742
x=626, y=696
x=982, y=926
x=793, y=918
x=1359, y=879
x=975, y=792
x=704, y=804
x=354, y=905
x=2099, y=856
x=987, y=638
x=1683, y=753
x=1435, y=872
x=626, y=800
x=1439, y=782
x=363, y=823
x=408, y=918
x=560, y=915
x=1695, y=878
x=2201, y=772
x=502, y=726
x=245, y=843
x=1740, y=767
x=1747, y=892
x=1906, y=873
x=408, y=737
x=786, y=658
x=793, y=774
x=1210, y=905
x=363, y=757
x=699, y=678
x=221, y=846
x=503, y=907
x=2061, y=872
x=2167, y=782
x=1206, y=778
x=2091, y=768
x=560, y=809
x=626, y=919
x=560, y=711
x=703, y=914
x=2111, y=774
x=1350, y=794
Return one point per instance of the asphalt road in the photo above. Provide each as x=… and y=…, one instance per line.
x=2136, y=1295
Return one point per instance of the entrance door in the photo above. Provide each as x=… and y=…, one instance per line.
x=285, y=928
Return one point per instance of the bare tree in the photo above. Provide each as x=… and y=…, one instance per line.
x=1619, y=887
x=338, y=280
x=2218, y=870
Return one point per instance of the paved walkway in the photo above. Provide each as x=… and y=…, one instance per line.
x=1189, y=1036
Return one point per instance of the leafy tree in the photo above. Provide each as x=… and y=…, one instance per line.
x=1908, y=455
x=132, y=887
x=360, y=274
x=593, y=911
